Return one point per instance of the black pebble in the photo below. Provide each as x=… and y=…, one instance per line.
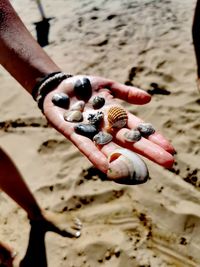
x=61, y=100
x=83, y=89
x=98, y=102
x=87, y=130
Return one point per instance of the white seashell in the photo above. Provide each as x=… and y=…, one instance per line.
x=73, y=116
x=126, y=167
x=79, y=105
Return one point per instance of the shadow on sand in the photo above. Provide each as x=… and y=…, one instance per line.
x=36, y=250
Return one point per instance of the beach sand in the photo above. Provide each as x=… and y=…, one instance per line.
x=148, y=44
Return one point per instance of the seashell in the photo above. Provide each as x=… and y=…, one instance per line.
x=96, y=118
x=87, y=130
x=79, y=105
x=83, y=89
x=117, y=117
x=146, y=129
x=132, y=136
x=73, y=116
x=126, y=167
x=61, y=100
x=98, y=102
x=102, y=138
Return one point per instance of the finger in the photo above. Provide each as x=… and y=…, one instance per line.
x=130, y=94
x=85, y=145
x=156, y=137
x=147, y=149
x=89, y=149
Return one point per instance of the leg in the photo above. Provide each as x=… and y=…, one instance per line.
x=7, y=255
x=196, y=35
x=11, y=183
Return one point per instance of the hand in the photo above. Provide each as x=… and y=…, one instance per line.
x=155, y=147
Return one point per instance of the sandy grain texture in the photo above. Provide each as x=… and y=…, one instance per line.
x=145, y=43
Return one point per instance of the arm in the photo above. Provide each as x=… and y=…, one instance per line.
x=27, y=62
x=20, y=54
x=196, y=35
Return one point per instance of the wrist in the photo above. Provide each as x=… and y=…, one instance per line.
x=46, y=85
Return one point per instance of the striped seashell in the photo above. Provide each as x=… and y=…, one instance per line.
x=126, y=167
x=117, y=117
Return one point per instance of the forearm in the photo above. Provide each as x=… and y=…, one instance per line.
x=196, y=35
x=20, y=54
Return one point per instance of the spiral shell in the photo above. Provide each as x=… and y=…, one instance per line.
x=126, y=167
x=117, y=117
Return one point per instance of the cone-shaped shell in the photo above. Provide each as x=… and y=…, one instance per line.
x=126, y=167
x=117, y=117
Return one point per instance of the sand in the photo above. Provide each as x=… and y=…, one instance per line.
x=142, y=42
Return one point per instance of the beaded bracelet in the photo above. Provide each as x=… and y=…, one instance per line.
x=46, y=85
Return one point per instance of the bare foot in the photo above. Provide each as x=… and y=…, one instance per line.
x=7, y=255
x=58, y=223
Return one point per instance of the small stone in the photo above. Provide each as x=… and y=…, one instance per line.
x=102, y=138
x=87, y=130
x=61, y=100
x=83, y=89
x=132, y=136
x=146, y=129
x=98, y=102
x=73, y=116
x=79, y=105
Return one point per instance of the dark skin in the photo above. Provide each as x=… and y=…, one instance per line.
x=27, y=62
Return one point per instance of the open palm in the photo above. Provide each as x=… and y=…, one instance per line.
x=154, y=147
